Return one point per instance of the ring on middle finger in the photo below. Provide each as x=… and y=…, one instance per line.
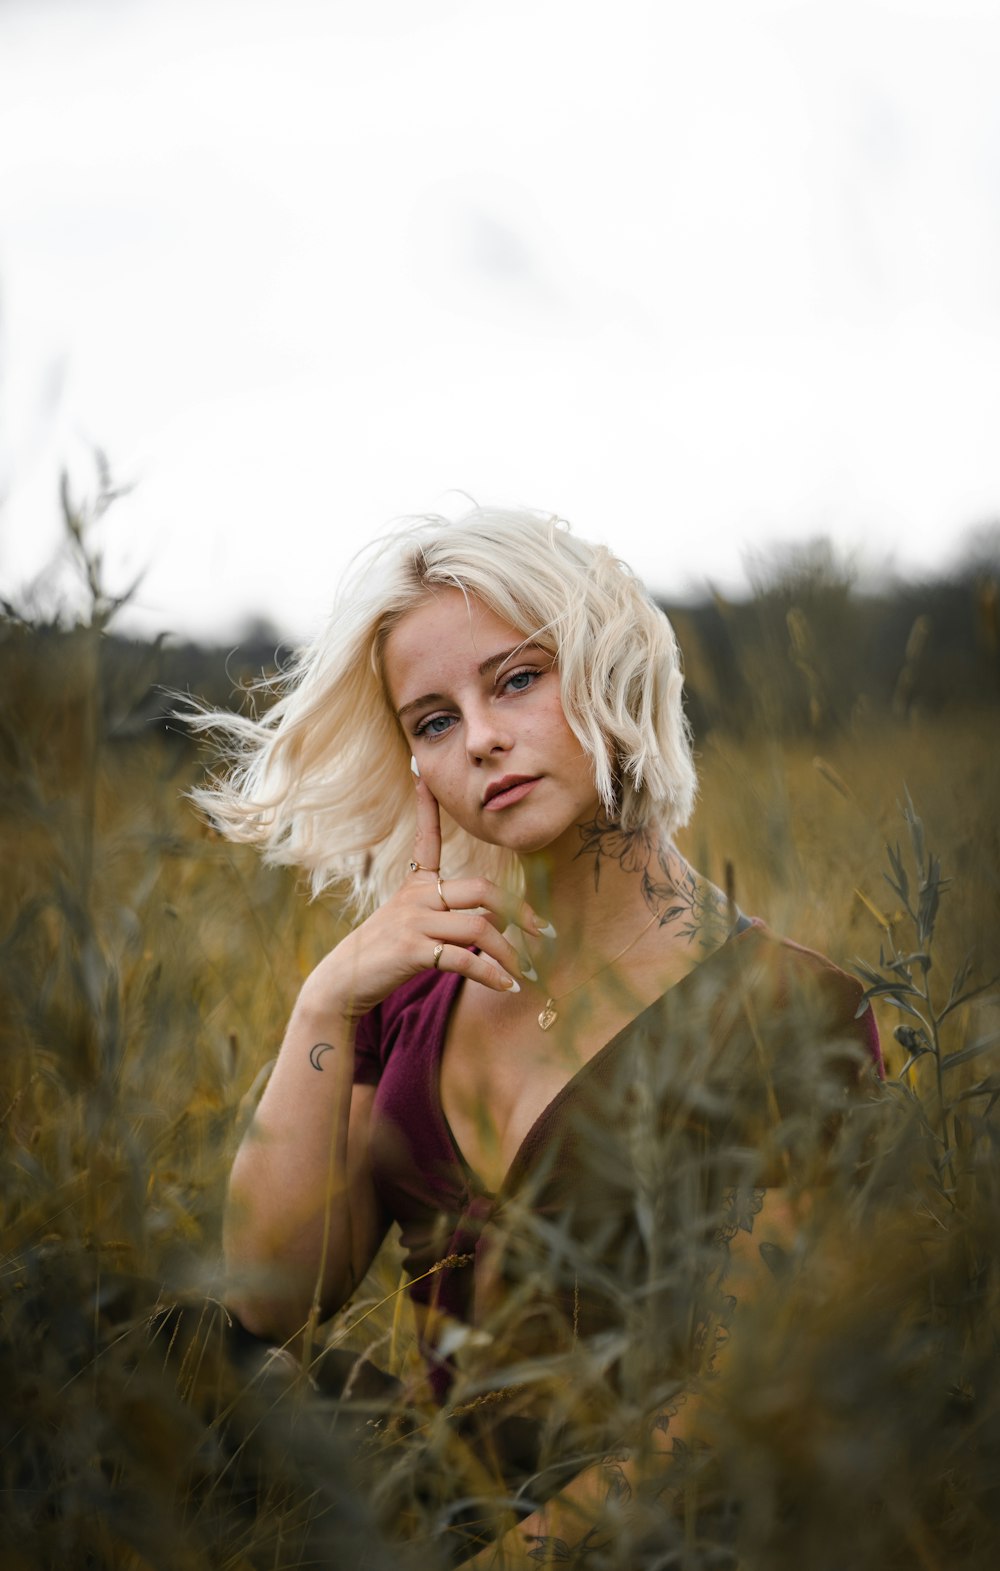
x=444, y=903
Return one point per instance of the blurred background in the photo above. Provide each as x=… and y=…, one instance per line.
x=720, y=284
x=705, y=280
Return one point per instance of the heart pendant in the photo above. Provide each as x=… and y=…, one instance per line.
x=548, y=1015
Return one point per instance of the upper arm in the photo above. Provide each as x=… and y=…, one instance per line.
x=303, y=1220
x=758, y=1237
x=368, y=1221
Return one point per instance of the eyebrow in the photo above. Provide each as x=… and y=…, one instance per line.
x=492, y=663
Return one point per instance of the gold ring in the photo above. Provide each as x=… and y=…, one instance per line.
x=441, y=897
x=438, y=952
x=418, y=867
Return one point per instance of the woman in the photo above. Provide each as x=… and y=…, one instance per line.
x=552, y=1051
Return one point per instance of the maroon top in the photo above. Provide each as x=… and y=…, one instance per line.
x=748, y=1055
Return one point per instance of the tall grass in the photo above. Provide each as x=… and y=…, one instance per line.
x=147, y=972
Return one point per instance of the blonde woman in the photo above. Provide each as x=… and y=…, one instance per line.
x=546, y=1028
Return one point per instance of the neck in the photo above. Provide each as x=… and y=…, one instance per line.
x=599, y=885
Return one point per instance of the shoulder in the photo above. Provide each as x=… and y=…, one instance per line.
x=789, y=962
x=765, y=1002
x=795, y=966
x=806, y=993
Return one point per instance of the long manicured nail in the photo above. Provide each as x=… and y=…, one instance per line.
x=414, y=767
x=547, y=930
x=511, y=985
x=528, y=971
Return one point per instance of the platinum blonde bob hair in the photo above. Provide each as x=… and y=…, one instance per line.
x=321, y=779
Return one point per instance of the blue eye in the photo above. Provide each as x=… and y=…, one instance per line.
x=434, y=725
x=520, y=681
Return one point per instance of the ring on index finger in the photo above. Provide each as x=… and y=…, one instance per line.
x=438, y=952
x=418, y=867
x=441, y=897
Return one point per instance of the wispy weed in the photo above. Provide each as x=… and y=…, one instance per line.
x=147, y=969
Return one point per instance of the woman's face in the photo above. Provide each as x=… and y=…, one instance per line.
x=482, y=714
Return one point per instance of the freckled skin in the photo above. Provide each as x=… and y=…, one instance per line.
x=486, y=725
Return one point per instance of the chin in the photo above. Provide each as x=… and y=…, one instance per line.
x=528, y=840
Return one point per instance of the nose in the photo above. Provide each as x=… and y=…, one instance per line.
x=485, y=733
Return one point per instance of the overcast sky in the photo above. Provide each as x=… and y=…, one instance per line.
x=696, y=276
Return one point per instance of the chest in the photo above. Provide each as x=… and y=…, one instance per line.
x=500, y=1071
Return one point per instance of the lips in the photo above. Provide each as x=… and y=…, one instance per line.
x=508, y=789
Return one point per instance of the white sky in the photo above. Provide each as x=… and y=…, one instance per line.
x=696, y=276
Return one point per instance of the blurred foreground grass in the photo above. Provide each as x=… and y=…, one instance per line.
x=147, y=971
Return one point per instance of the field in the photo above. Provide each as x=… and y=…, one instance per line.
x=148, y=968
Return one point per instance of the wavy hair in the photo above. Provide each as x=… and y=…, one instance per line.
x=321, y=780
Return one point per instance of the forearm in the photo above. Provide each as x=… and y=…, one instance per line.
x=759, y=1228
x=589, y=1510
x=287, y=1225
x=303, y=1221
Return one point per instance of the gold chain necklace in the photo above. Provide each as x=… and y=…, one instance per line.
x=550, y=1014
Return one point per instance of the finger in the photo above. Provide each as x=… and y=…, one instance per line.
x=466, y=893
x=479, y=928
x=427, y=839
x=477, y=968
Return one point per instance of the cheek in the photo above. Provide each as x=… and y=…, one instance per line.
x=442, y=780
x=571, y=746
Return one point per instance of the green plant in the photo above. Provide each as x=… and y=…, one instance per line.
x=903, y=981
x=147, y=969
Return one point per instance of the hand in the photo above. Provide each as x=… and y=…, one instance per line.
x=399, y=939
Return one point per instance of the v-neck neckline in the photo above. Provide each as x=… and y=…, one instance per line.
x=477, y=1189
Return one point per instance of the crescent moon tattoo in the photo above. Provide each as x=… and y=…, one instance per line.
x=316, y=1053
